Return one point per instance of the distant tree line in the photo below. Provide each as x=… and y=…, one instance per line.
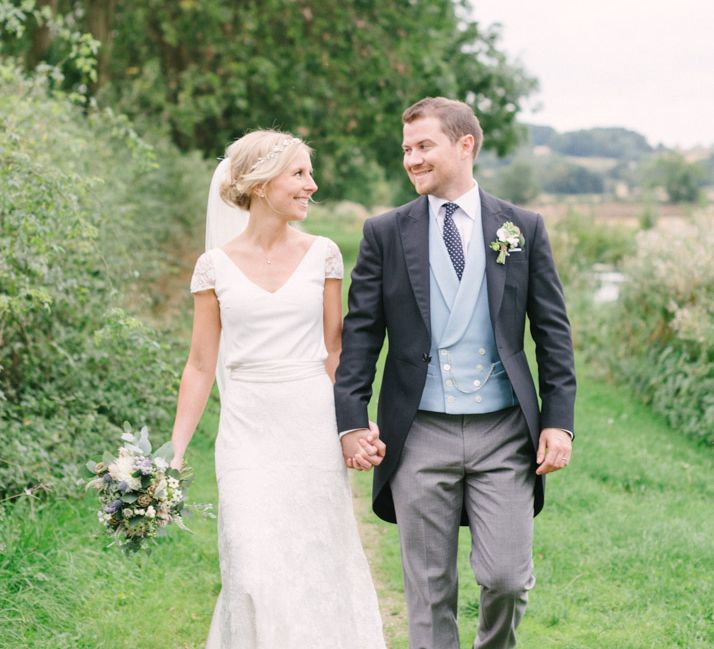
x=569, y=166
x=617, y=142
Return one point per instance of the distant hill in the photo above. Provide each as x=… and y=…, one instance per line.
x=619, y=143
x=617, y=162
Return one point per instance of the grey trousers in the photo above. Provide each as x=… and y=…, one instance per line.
x=487, y=464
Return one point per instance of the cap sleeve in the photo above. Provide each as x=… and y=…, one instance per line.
x=204, y=274
x=334, y=268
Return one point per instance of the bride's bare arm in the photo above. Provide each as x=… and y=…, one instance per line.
x=332, y=324
x=199, y=372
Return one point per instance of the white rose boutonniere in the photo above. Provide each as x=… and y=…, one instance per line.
x=509, y=238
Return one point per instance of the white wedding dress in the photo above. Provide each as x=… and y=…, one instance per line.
x=294, y=574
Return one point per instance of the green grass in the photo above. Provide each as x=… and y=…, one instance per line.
x=61, y=587
x=624, y=549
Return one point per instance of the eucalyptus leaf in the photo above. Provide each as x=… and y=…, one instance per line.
x=165, y=451
x=129, y=498
x=92, y=466
x=143, y=442
x=134, y=449
x=107, y=458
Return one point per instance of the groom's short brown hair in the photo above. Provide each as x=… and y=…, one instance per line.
x=457, y=118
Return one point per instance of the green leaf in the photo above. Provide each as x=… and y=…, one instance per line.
x=91, y=466
x=129, y=498
x=166, y=452
x=143, y=441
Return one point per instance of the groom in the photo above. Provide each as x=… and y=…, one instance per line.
x=467, y=443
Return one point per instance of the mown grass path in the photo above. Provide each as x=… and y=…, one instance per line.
x=624, y=551
x=624, y=554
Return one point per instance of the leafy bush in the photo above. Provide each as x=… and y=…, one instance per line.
x=87, y=210
x=659, y=336
x=580, y=241
x=679, y=178
x=562, y=177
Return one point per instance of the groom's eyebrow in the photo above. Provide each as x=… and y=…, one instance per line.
x=426, y=141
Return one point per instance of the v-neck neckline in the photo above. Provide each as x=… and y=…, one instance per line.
x=285, y=283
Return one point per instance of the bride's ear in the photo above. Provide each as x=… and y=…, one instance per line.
x=259, y=191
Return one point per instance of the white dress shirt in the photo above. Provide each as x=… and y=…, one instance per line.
x=468, y=214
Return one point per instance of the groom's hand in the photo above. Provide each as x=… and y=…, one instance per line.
x=362, y=449
x=554, y=450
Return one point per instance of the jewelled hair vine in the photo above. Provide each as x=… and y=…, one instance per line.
x=275, y=152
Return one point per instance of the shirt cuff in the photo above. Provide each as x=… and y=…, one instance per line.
x=570, y=432
x=351, y=430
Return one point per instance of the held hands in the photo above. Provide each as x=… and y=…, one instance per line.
x=362, y=448
x=554, y=450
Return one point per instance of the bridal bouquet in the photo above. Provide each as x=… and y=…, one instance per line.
x=139, y=494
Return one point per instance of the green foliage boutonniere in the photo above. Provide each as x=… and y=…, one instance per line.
x=509, y=239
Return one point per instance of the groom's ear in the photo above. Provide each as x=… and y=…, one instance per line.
x=466, y=146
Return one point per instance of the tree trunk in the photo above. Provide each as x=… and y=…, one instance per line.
x=100, y=14
x=41, y=38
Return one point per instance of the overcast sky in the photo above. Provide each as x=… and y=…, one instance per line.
x=643, y=64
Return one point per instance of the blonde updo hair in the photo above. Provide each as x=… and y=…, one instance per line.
x=256, y=159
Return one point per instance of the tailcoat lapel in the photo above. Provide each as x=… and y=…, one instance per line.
x=414, y=230
x=491, y=220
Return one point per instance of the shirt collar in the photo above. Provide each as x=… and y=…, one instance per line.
x=469, y=202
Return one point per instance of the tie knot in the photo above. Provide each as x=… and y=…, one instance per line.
x=449, y=209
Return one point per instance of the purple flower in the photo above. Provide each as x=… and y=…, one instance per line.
x=144, y=465
x=112, y=507
x=107, y=478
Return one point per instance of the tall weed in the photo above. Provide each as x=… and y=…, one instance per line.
x=659, y=336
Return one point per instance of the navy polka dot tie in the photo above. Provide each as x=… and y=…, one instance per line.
x=453, y=240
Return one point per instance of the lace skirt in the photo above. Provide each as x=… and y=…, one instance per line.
x=294, y=574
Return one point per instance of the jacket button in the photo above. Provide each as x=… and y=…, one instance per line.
x=426, y=358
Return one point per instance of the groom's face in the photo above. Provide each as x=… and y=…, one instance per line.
x=434, y=163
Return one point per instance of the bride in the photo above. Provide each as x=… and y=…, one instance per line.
x=293, y=571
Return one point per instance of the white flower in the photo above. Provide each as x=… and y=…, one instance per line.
x=501, y=234
x=122, y=468
x=127, y=512
x=150, y=512
x=161, y=464
x=139, y=512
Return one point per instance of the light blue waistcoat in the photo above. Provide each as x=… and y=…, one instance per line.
x=465, y=374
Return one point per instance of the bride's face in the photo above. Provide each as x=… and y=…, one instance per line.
x=288, y=194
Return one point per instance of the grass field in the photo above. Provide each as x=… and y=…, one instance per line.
x=624, y=550
x=624, y=554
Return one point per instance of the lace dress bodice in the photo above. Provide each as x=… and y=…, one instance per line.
x=260, y=325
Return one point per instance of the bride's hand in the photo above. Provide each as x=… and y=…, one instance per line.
x=362, y=448
x=177, y=462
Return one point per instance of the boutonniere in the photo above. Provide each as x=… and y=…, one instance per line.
x=509, y=239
